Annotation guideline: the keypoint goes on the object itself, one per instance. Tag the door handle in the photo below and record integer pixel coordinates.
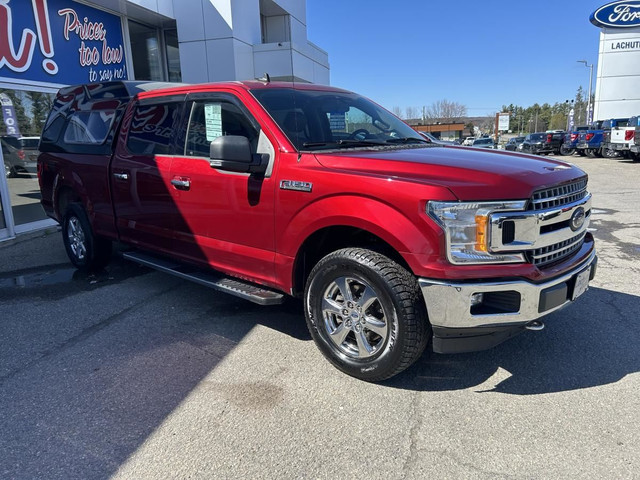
(121, 176)
(181, 183)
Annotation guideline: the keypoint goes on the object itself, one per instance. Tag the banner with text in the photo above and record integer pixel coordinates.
(59, 41)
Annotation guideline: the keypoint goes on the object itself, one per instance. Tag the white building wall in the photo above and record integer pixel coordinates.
(617, 92)
(222, 40)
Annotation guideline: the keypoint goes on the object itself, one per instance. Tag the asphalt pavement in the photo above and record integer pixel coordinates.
(131, 373)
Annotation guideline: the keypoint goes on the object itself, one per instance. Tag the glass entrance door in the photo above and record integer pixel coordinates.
(23, 115)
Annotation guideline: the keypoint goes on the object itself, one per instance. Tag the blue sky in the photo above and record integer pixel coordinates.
(481, 54)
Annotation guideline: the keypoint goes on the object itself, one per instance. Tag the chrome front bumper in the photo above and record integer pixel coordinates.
(449, 304)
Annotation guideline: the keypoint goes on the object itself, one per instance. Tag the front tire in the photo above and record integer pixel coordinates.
(366, 314)
(86, 251)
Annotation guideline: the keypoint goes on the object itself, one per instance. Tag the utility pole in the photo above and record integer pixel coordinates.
(590, 67)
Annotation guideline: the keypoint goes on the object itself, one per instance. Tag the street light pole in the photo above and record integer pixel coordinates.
(589, 119)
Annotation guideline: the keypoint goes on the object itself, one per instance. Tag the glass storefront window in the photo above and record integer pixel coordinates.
(173, 55)
(20, 153)
(145, 52)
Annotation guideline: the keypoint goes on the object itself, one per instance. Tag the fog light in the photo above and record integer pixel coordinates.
(476, 299)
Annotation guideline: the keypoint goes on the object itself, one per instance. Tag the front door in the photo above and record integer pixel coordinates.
(227, 218)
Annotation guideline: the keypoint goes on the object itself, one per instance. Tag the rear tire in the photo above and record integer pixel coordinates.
(566, 150)
(86, 251)
(366, 314)
(591, 153)
(609, 153)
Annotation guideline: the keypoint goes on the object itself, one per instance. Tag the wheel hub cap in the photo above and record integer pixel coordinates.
(354, 317)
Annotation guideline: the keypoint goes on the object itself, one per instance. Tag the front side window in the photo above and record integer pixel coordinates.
(90, 127)
(152, 127)
(317, 120)
(212, 119)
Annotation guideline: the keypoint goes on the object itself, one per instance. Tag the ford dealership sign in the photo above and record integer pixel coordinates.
(621, 14)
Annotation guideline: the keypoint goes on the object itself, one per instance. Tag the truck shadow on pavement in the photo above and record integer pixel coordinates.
(591, 343)
(88, 374)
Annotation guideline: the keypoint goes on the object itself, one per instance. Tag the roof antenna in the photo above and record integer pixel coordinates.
(265, 78)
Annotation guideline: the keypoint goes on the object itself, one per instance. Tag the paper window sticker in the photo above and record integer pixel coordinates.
(213, 120)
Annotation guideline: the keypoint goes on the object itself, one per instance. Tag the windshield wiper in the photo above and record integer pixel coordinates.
(407, 140)
(345, 142)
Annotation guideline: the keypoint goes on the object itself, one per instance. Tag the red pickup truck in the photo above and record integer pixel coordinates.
(266, 189)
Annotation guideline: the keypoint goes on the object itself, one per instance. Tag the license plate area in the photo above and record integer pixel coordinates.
(581, 283)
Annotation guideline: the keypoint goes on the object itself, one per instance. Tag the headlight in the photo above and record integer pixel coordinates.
(466, 227)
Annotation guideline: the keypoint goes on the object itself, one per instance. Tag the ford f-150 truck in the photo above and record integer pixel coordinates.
(590, 140)
(267, 189)
(618, 137)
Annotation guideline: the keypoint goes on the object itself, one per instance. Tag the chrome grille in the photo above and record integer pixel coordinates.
(552, 253)
(560, 195)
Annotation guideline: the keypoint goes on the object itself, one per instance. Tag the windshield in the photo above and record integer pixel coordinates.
(317, 120)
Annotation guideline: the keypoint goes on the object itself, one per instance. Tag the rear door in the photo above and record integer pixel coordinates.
(227, 218)
(140, 174)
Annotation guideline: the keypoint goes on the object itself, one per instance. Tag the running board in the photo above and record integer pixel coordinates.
(210, 279)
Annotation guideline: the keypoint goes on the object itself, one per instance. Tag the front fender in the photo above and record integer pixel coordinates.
(407, 233)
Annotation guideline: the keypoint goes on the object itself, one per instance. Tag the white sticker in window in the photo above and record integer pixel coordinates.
(213, 120)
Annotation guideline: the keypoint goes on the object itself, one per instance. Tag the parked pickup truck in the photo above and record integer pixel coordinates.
(265, 189)
(634, 146)
(622, 136)
(615, 138)
(571, 141)
(613, 134)
(543, 143)
(590, 140)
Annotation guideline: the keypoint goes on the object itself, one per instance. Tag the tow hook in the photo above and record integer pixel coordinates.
(535, 325)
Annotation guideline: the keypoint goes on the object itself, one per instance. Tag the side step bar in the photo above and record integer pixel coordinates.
(210, 279)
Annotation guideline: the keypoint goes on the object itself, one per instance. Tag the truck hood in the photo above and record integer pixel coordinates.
(469, 173)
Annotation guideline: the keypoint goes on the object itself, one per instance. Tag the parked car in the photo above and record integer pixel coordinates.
(513, 143)
(468, 141)
(391, 243)
(14, 157)
(436, 141)
(30, 146)
(483, 143)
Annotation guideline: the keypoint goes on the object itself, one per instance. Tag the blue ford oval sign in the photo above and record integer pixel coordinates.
(620, 14)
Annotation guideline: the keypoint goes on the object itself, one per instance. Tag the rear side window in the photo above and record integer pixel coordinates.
(89, 127)
(152, 128)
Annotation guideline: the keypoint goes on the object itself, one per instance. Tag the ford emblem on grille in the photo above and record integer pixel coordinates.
(577, 219)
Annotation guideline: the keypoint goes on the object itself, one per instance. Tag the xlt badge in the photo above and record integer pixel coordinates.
(296, 185)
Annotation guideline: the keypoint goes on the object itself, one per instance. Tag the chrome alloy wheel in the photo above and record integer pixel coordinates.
(354, 317)
(76, 238)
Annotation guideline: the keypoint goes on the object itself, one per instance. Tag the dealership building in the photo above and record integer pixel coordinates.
(617, 92)
(47, 44)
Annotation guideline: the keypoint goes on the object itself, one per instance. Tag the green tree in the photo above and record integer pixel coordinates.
(41, 104)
